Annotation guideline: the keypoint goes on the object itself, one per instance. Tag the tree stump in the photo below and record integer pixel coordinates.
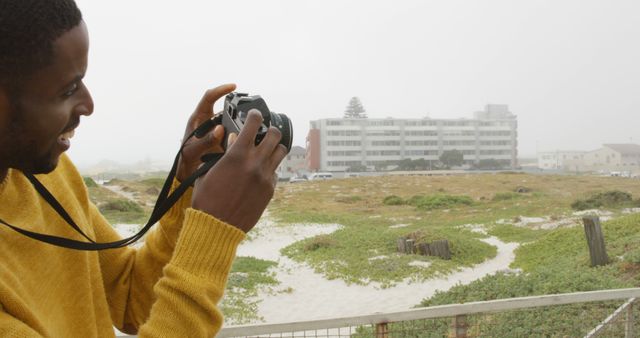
(410, 246)
(401, 245)
(423, 249)
(441, 249)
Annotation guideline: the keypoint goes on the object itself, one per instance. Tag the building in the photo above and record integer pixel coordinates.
(294, 164)
(559, 159)
(339, 144)
(610, 158)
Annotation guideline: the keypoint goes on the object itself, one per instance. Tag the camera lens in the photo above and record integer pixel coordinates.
(282, 122)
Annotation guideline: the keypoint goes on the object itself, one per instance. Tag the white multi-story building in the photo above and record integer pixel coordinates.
(338, 144)
(557, 160)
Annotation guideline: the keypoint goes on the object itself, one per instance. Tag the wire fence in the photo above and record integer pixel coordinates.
(610, 313)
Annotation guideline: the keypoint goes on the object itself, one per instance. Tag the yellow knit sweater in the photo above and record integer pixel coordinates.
(167, 288)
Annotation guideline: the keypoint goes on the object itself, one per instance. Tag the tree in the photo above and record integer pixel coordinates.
(355, 110)
(491, 164)
(452, 158)
(355, 168)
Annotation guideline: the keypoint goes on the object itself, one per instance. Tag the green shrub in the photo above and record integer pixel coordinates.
(632, 256)
(393, 200)
(441, 201)
(608, 199)
(505, 196)
(122, 205)
(413, 200)
(89, 182)
(319, 242)
(153, 182)
(251, 264)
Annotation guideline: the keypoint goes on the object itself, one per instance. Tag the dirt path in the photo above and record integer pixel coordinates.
(314, 297)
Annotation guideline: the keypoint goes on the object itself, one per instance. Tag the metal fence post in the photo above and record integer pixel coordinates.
(382, 330)
(459, 327)
(628, 327)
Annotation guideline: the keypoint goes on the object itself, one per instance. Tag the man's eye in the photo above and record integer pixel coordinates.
(71, 90)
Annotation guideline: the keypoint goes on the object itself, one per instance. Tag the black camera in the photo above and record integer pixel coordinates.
(236, 110)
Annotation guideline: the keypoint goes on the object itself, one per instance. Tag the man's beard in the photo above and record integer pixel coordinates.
(21, 153)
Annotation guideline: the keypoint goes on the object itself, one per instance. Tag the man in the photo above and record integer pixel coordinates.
(167, 288)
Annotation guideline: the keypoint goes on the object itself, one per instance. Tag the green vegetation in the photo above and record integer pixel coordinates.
(89, 182)
(558, 262)
(609, 199)
(347, 253)
(365, 249)
(505, 196)
(451, 158)
(247, 276)
(123, 211)
(393, 200)
(441, 201)
(122, 205)
(512, 233)
(131, 202)
(376, 211)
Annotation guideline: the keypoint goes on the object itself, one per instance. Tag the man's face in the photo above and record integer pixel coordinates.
(36, 126)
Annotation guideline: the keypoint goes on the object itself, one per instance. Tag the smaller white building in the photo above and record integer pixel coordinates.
(556, 160)
(613, 158)
(294, 164)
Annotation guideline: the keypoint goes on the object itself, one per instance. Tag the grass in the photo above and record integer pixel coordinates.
(118, 208)
(511, 233)
(368, 208)
(247, 276)
(557, 262)
(448, 202)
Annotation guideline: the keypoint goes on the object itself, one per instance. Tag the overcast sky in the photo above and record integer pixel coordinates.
(570, 70)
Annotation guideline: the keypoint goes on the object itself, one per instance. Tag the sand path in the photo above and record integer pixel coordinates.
(314, 297)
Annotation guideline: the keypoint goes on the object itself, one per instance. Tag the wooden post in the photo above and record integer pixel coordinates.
(401, 245)
(459, 327)
(382, 330)
(423, 249)
(410, 246)
(628, 325)
(595, 240)
(441, 249)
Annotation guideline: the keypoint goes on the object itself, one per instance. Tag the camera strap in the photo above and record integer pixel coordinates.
(163, 203)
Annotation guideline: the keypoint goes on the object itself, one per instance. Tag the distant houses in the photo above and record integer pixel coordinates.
(614, 159)
(294, 164)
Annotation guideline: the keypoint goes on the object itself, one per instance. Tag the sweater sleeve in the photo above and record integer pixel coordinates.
(194, 280)
(12, 327)
(129, 275)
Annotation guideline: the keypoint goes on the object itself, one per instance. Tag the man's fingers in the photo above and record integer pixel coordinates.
(277, 156)
(204, 110)
(231, 139)
(270, 140)
(252, 124)
(211, 142)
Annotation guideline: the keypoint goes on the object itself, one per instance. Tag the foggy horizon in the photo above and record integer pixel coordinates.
(569, 70)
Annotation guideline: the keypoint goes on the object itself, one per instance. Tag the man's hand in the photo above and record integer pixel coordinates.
(239, 187)
(211, 142)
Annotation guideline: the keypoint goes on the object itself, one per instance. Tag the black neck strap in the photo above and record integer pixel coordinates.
(164, 202)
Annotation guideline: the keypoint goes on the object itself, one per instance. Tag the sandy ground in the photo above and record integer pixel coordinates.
(314, 297)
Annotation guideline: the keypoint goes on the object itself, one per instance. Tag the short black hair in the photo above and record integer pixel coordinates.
(28, 29)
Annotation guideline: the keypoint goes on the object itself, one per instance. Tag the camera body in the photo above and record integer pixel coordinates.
(236, 110)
